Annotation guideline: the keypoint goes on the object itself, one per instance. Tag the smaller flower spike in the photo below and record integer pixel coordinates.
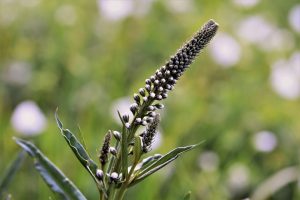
(105, 149)
(148, 135)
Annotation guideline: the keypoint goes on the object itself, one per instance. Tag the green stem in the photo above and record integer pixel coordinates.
(124, 152)
(121, 192)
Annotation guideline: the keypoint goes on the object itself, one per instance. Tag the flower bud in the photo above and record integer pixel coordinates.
(133, 108)
(152, 95)
(113, 151)
(159, 106)
(114, 176)
(149, 120)
(127, 125)
(125, 118)
(151, 108)
(137, 98)
(151, 114)
(148, 81)
(99, 174)
(117, 135)
(152, 78)
(145, 99)
(142, 92)
(158, 97)
(144, 123)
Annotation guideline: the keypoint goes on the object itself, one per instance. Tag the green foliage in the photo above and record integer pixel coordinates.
(55, 179)
(144, 172)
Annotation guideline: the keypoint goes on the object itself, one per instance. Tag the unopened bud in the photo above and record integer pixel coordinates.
(127, 125)
(99, 174)
(137, 98)
(152, 95)
(113, 151)
(147, 87)
(142, 92)
(114, 176)
(133, 108)
(138, 120)
(125, 118)
(117, 135)
(159, 106)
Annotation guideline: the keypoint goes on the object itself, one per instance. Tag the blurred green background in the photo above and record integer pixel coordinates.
(87, 57)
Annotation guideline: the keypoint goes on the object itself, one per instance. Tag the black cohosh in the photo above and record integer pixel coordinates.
(165, 78)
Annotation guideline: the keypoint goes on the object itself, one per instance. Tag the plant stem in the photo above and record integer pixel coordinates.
(121, 192)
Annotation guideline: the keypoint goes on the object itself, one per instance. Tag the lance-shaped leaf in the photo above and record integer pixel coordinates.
(78, 150)
(161, 162)
(62, 187)
(137, 149)
(146, 162)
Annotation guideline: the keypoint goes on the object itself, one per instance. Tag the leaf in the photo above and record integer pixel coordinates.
(187, 196)
(124, 149)
(11, 171)
(161, 162)
(137, 149)
(55, 179)
(147, 161)
(81, 138)
(78, 150)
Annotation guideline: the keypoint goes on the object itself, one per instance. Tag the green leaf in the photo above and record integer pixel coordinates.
(79, 150)
(11, 171)
(124, 149)
(161, 162)
(137, 149)
(147, 162)
(55, 179)
(187, 196)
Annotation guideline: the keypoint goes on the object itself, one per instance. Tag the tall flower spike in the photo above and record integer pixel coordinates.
(165, 78)
(148, 135)
(103, 157)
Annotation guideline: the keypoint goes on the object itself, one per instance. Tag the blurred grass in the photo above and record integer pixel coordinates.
(82, 68)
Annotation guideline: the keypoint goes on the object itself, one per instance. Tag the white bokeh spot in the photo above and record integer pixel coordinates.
(115, 10)
(264, 141)
(246, 3)
(238, 177)
(208, 161)
(28, 119)
(294, 18)
(122, 105)
(225, 50)
(285, 77)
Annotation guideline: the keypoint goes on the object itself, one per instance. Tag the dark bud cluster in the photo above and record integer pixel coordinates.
(148, 135)
(165, 78)
(105, 149)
